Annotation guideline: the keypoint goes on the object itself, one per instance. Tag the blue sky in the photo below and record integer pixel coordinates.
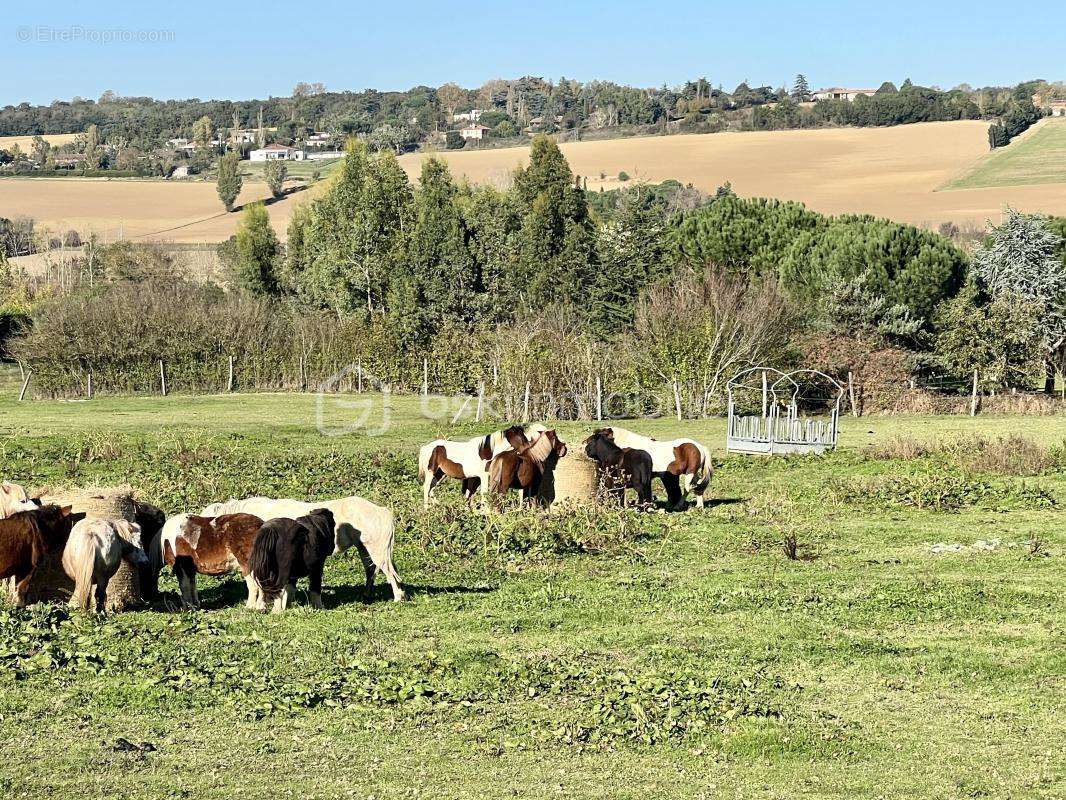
(57, 50)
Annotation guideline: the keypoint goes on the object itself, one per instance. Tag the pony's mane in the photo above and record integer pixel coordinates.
(540, 448)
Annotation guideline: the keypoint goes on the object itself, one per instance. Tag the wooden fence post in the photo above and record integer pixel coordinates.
(765, 394)
(425, 377)
(525, 405)
(480, 401)
(973, 397)
(359, 374)
(599, 399)
(851, 396)
(162, 378)
(89, 385)
(229, 380)
(677, 400)
(25, 383)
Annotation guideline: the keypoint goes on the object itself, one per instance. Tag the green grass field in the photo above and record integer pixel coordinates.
(1038, 157)
(296, 169)
(599, 655)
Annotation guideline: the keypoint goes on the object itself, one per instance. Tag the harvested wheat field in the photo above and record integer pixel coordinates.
(142, 210)
(889, 172)
(26, 142)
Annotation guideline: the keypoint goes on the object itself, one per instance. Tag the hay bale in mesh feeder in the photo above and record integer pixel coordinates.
(574, 481)
(116, 502)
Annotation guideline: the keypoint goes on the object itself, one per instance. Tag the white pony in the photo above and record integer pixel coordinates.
(13, 499)
(669, 458)
(367, 526)
(469, 460)
(93, 553)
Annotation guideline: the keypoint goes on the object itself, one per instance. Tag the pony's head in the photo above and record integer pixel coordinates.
(55, 523)
(546, 444)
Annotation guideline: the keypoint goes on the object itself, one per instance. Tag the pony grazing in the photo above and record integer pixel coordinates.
(288, 549)
(13, 499)
(368, 527)
(523, 468)
(681, 464)
(92, 556)
(468, 461)
(151, 519)
(201, 545)
(28, 538)
(621, 468)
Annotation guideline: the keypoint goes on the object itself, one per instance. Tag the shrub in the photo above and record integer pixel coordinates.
(623, 176)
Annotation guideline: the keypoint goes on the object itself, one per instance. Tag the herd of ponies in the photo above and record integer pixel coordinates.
(275, 542)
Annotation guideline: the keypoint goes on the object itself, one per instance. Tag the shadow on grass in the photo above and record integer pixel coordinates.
(234, 593)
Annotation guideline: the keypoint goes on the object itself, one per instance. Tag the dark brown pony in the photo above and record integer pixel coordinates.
(195, 545)
(523, 468)
(28, 538)
(620, 468)
(288, 549)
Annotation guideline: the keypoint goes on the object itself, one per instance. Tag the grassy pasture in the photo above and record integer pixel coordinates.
(1035, 158)
(603, 655)
(296, 169)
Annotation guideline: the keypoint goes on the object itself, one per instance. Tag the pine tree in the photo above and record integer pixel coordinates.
(229, 180)
(557, 247)
(256, 253)
(801, 90)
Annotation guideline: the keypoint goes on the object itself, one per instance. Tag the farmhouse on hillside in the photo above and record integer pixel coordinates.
(277, 152)
(475, 132)
(468, 116)
(840, 93)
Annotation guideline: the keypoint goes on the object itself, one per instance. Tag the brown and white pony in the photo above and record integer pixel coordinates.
(682, 465)
(523, 468)
(194, 545)
(368, 527)
(27, 538)
(467, 461)
(92, 556)
(13, 499)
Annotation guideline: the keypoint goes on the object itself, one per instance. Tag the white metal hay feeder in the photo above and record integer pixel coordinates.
(766, 412)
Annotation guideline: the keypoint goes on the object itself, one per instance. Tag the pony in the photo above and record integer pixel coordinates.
(368, 527)
(682, 465)
(27, 538)
(523, 468)
(288, 549)
(467, 461)
(92, 556)
(620, 468)
(193, 544)
(13, 499)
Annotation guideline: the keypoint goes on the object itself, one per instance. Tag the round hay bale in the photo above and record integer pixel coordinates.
(574, 481)
(114, 502)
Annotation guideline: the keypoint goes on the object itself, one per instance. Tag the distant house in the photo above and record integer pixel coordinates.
(468, 116)
(244, 135)
(277, 152)
(475, 132)
(318, 140)
(69, 160)
(840, 93)
(178, 143)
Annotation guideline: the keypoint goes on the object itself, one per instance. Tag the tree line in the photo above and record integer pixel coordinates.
(656, 292)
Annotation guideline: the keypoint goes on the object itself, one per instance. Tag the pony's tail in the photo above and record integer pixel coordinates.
(84, 567)
(495, 475)
(263, 561)
(704, 473)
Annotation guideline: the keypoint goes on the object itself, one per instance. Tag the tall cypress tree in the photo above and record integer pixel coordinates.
(557, 234)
